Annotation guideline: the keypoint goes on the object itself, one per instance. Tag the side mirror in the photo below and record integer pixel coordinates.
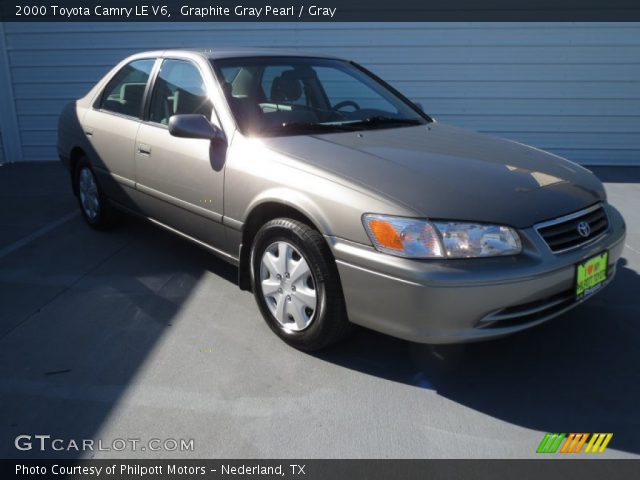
(419, 105)
(194, 126)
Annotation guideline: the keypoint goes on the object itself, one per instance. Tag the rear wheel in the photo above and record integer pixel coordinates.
(296, 285)
(93, 204)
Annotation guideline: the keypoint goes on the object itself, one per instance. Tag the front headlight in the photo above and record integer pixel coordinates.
(415, 238)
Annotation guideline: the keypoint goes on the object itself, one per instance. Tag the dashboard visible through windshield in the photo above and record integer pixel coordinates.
(279, 96)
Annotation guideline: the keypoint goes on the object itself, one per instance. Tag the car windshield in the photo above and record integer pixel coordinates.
(280, 96)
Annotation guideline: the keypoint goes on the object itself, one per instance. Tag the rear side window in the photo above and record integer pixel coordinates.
(179, 89)
(124, 93)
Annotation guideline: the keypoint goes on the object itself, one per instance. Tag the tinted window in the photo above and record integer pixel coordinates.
(179, 89)
(340, 86)
(279, 88)
(124, 93)
(296, 96)
(230, 74)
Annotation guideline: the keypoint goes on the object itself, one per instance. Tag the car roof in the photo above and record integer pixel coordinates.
(235, 52)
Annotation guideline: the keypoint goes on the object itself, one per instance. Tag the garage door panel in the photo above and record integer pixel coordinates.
(517, 90)
(534, 106)
(497, 124)
(596, 141)
(502, 72)
(570, 87)
(30, 75)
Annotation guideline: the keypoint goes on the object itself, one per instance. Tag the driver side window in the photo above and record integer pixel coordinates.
(179, 89)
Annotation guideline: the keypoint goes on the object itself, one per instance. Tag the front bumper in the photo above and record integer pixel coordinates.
(463, 300)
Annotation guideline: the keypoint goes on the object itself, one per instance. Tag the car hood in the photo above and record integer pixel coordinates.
(444, 172)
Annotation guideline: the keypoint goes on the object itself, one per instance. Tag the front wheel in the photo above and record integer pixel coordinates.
(296, 285)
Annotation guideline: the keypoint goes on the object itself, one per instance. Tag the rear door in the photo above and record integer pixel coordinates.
(180, 181)
(111, 127)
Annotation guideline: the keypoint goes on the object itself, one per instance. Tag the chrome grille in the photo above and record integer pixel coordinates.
(567, 232)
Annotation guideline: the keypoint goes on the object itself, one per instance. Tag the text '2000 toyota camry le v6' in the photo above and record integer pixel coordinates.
(340, 201)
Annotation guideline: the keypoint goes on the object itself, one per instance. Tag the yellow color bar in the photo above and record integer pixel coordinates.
(598, 441)
(607, 439)
(590, 444)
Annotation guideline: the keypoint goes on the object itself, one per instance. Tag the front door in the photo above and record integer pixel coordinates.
(180, 181)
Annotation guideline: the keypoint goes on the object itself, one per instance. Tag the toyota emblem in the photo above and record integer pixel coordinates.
(583, 229)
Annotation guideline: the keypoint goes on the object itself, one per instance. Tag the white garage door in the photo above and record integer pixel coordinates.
(573, 89)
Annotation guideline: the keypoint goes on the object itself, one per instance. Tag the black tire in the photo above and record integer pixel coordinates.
(329, 323)
(105, 215)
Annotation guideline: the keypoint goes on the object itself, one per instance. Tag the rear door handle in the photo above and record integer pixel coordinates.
(88, 131)
(144, 149)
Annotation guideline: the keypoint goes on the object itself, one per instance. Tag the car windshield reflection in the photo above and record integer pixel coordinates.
(274, 96)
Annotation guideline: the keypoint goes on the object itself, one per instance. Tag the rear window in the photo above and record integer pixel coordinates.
(124, 93)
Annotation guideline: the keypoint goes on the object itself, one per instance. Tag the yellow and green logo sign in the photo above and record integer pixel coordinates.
(591, 275)
(574, 443)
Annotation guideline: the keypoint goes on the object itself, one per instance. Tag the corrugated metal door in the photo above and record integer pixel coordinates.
(573, 89)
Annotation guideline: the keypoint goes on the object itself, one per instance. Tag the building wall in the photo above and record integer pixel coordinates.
(570, 88)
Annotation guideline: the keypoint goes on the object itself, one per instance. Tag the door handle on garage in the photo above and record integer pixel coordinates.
(144, 149)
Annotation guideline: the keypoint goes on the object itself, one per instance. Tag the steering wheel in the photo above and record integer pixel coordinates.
(346, 103)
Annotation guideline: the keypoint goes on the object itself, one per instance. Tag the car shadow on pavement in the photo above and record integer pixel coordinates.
(71, 362)
(579, 372)
(93, 310)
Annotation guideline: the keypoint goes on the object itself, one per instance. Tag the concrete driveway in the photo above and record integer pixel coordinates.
(137, 334)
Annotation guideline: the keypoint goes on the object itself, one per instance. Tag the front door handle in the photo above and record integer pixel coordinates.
(144, 149)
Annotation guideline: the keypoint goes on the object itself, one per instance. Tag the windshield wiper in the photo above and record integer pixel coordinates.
(382, 120)
(295, 127)
(307, 127)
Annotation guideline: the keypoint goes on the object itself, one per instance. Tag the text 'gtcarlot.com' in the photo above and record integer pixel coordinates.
(46, 443)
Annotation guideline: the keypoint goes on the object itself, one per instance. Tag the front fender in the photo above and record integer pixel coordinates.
(256, 175)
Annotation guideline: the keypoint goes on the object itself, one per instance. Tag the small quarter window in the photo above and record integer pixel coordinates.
(124, 93)
(179, 89)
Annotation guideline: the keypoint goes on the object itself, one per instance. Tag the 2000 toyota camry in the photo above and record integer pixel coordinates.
(338, 198)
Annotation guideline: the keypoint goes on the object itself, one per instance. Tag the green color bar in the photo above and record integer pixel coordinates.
(551, 442)
(541, 447)
(557, 443)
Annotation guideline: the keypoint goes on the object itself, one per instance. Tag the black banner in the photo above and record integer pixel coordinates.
(318, 10)
(323, 469)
